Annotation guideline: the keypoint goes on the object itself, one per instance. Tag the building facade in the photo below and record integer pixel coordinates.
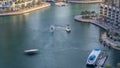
(15, 5)
(111, 13)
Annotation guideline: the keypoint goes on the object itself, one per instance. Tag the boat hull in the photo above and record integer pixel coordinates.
(31, 52)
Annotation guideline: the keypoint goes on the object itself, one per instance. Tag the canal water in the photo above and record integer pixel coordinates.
(57, 50)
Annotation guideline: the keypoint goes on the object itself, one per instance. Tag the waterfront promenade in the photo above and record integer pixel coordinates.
(103, 37)
(97, 1)
(36, 7)
(95, 22)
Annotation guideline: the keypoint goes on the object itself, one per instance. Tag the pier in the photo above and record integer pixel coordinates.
(101, 60)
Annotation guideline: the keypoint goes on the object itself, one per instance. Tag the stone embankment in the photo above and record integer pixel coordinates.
(105, 41)
(90, 1)
(26, 10)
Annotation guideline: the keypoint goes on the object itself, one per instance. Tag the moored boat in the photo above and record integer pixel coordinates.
(93, 56)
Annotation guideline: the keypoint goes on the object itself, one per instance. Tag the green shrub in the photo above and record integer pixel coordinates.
(118, 65)
(108, 66)
(118, 46)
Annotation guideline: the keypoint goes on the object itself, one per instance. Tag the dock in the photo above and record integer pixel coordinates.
(101, 60)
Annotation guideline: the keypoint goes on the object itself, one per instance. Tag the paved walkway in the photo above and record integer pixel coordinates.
(95, 22)
(107, 41)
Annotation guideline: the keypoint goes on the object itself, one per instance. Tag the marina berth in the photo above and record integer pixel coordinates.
(101, 60)
(93, 57)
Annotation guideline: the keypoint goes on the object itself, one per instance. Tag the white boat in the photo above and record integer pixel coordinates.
(93, 57)
(31, 51)
(52, 28)
(68, 29)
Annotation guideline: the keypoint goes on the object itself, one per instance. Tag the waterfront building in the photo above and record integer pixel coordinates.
(111, 13)
(15, 5)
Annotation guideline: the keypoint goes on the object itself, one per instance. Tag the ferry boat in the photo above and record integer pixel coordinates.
(93, 56)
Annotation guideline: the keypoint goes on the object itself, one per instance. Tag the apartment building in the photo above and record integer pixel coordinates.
(111, 13)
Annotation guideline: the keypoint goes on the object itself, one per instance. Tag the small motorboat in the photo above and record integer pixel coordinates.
(52, 28)
(31, 51)
(68, 29)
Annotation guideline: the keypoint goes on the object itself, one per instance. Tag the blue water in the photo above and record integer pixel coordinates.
(57, 50)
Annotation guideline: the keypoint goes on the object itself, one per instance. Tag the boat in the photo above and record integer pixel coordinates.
(68, 29)
(52, 28)
(93, 57)
(31, 51)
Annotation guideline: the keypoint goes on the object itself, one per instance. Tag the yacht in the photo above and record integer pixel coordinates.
(31, 51)
(93, 56)
(68, 29)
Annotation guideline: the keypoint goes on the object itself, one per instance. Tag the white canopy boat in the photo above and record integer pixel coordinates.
(68, 29)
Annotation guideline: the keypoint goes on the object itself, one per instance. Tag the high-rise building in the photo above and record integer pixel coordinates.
(111, 13)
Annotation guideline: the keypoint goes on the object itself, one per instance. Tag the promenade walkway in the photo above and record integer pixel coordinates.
(26, 10)
(105, 26)
(107, 41)
(77, 1)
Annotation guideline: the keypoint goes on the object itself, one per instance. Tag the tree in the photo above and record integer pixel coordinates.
(108, 66)
(93, 12)
(118, 65)
(82, 13)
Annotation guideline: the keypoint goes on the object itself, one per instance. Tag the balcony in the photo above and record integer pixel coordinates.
(109, 9)
(109, 15)
(105, 8)
(118, 12)
(113, 10)
(105, 13)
